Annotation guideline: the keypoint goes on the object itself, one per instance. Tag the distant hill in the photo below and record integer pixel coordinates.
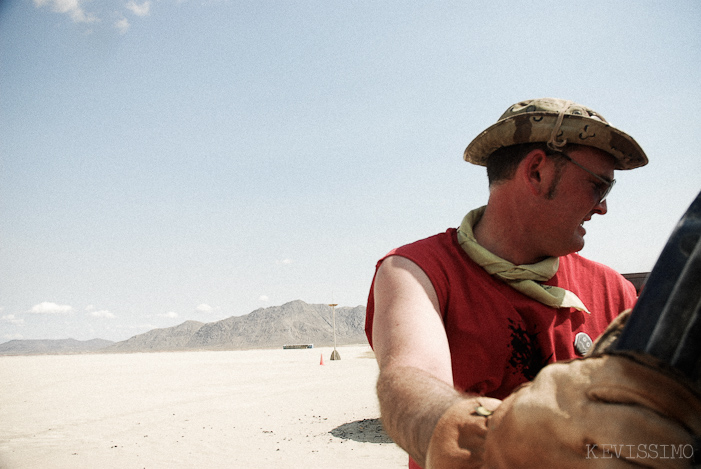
(62, 346)
(295, 322)
(158, 340)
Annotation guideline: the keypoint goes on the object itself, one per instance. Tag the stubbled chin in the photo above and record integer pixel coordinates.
(580, 238)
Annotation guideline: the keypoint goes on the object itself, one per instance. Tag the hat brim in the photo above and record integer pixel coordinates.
(576, 130)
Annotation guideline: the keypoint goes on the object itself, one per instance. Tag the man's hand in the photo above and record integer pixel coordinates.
(458, 439)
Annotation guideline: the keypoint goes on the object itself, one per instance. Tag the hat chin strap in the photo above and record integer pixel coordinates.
(553, 144)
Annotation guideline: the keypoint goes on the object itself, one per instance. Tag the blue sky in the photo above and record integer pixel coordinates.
(166, 160)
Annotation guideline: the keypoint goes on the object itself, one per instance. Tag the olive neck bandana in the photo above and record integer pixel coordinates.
(524, 278)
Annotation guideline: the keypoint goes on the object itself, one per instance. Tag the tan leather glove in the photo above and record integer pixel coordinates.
(601, 411)
(605, 411)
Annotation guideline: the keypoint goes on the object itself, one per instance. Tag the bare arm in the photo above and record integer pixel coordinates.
(411, 403)
(415, 386)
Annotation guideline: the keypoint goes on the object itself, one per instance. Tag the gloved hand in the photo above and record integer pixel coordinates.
(605, 411)
(600, 411)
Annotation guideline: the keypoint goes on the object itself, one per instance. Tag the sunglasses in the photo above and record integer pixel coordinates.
(607, 184)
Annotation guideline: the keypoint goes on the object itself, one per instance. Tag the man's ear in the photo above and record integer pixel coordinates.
(533, 171)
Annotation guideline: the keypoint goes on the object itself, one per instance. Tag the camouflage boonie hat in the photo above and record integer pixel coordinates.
(556, 122)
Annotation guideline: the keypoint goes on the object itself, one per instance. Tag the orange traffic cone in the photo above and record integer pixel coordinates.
(322, 359)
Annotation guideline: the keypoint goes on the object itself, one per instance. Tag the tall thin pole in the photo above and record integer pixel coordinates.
(334, 355)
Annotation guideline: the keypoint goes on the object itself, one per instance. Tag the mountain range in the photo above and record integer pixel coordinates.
(45, 346)
(292, 323)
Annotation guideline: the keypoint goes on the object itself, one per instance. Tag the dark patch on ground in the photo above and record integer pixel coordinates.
(364, 431)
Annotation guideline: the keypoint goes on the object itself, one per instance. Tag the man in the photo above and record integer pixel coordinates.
(460, 320)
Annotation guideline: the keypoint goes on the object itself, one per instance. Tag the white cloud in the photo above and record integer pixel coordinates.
(139, 10)
(263, 298)
(169, 314)
(89, 308)
(76, 11)
(103, 313)
(50, 308)
(11, 319)
(71, 7)
(285, 261)
(122, 25)
(204, 308)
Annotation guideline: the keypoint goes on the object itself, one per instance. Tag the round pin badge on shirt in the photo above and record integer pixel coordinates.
(582, 343)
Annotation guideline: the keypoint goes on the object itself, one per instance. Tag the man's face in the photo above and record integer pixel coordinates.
(576, 198)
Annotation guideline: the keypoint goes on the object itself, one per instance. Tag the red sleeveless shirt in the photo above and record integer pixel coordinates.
(499, 337)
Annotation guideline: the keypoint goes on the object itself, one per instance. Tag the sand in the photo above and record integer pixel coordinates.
(236, 409)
